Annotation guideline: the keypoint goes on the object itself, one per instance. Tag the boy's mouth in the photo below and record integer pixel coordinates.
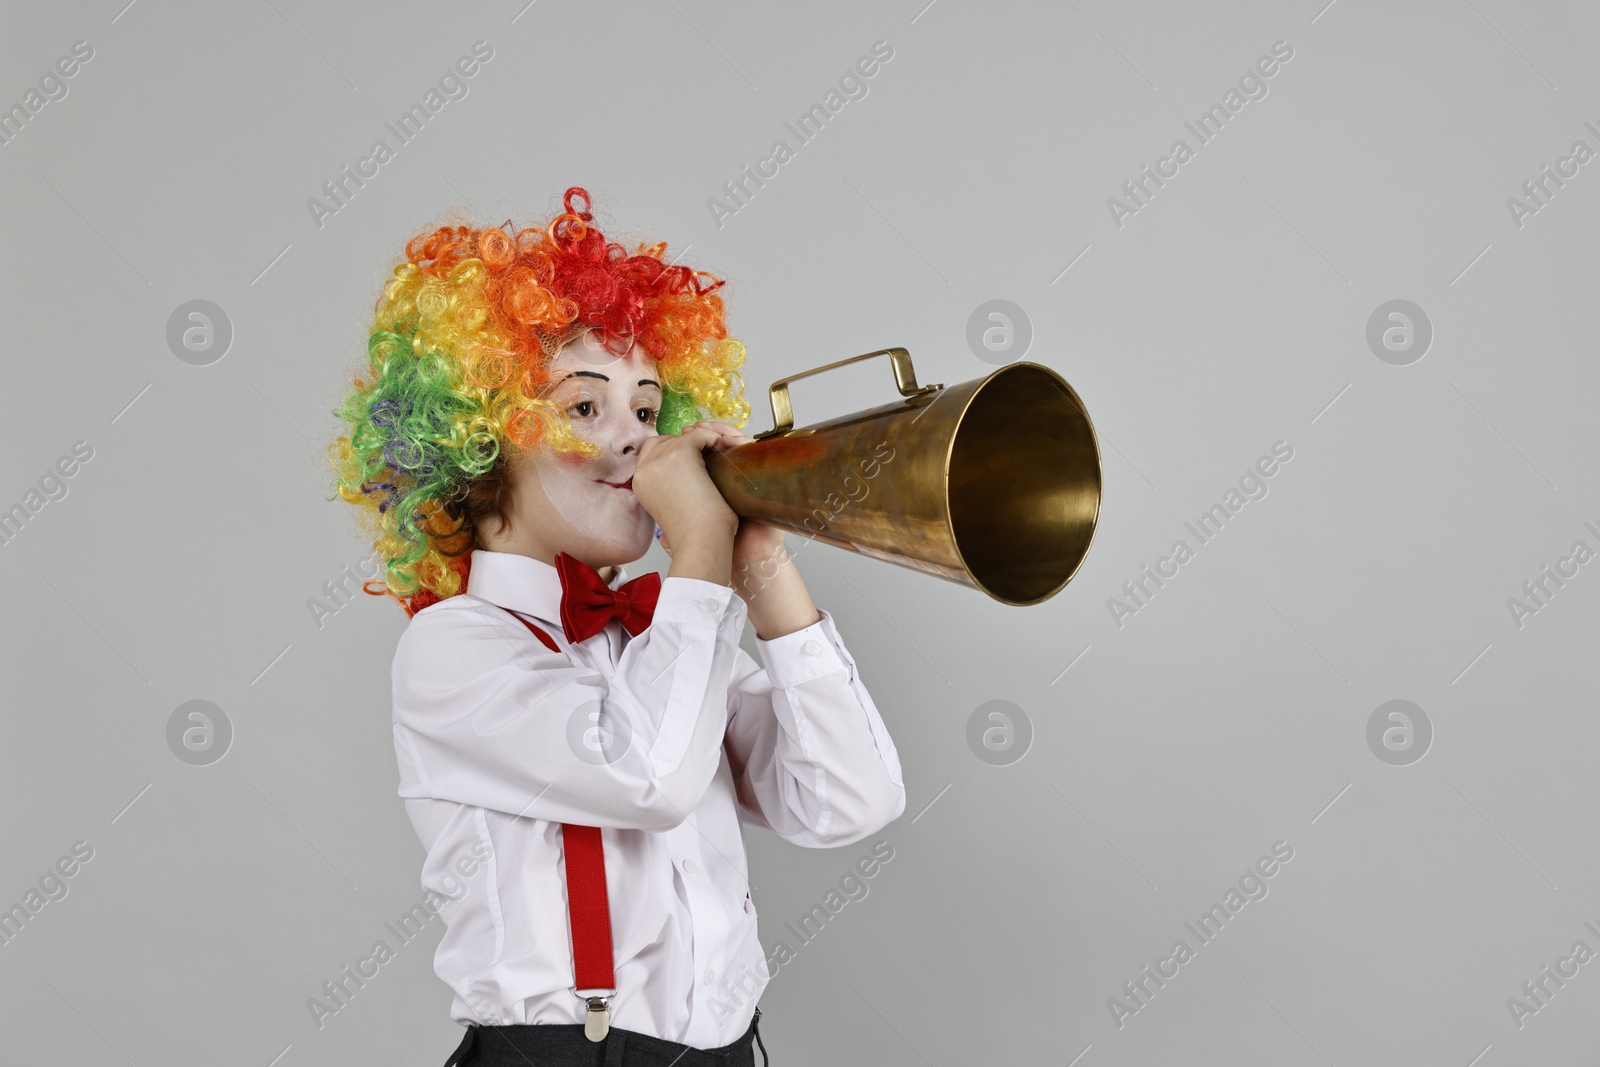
(628, 485)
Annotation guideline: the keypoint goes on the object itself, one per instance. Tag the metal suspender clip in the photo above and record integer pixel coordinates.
(597, 1020)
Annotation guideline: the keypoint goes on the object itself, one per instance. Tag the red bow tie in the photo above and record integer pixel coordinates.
(587, 603)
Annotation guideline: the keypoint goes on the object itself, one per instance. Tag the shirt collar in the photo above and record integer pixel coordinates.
(522, 583)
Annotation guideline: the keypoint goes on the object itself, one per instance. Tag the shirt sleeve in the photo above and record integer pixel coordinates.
(811, 757)
(486, 715)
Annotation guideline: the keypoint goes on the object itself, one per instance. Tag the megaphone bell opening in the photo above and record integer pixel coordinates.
(1024, 484)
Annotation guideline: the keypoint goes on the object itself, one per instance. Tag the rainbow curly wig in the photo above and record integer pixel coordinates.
(458, 360)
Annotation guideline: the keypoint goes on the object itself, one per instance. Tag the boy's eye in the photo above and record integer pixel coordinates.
(649, 415)
(582, 404)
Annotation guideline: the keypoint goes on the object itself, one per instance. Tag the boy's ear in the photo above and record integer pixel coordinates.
(677, 411)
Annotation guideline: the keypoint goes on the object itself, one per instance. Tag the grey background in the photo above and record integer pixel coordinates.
(1228, 314)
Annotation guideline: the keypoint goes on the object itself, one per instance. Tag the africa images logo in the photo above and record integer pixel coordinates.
(453, 84)
(1252, 85)
(1251, 886)
(852, 85)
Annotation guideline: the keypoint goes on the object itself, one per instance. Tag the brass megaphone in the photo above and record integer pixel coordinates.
(993, 483)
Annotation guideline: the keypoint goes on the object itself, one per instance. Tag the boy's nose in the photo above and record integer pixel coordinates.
(631, 437)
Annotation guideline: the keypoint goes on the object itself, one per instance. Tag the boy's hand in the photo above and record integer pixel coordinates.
(671, 483)
(764, 575)
(756, 541)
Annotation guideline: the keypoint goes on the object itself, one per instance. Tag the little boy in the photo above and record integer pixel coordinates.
(586, 743)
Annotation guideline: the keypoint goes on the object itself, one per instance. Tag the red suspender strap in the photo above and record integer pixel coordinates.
(588, 909)
(549, 642)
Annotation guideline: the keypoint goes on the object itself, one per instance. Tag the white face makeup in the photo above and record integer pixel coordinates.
(567, 502)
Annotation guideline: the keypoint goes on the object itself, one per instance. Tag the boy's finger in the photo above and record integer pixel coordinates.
(727, 434)
(701, 433)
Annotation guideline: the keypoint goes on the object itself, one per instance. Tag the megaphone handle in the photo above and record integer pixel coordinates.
(905, 379)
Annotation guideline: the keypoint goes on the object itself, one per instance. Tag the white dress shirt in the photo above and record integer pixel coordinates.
(497, 746)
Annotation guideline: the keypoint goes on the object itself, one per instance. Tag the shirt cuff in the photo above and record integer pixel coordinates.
(804, 655)
(694, 601)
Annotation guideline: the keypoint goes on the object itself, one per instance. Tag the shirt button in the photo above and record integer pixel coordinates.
(811, 648)
(708, 605)
(710, 976)
(690, 866)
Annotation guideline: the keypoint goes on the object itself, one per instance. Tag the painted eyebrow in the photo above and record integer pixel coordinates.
(603, 378)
